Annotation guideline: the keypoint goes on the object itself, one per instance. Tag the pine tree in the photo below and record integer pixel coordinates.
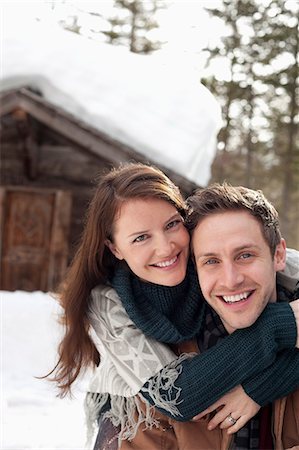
(131, 24)
(260, 102)
(237, 94)
(279, 28)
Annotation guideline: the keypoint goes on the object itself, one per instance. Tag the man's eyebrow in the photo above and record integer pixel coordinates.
(236, 250)
(246, 247)
(204, 255)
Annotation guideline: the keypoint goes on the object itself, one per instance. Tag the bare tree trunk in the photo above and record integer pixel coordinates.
(288, 167)
(133, 31)
(221, 172)
(249, 158)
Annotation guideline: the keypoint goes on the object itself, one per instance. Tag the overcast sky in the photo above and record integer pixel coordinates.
(184, 26)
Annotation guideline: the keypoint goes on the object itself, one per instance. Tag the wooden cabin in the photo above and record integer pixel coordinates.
(49, 163)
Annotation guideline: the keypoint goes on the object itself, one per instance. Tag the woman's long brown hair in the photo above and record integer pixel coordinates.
(93, 263)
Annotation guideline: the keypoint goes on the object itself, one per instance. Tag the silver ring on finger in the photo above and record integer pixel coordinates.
(231, 419)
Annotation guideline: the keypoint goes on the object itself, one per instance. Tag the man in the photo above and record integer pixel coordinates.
(238, 249)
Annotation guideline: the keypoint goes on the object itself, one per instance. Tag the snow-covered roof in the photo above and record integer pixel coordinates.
(158, 108)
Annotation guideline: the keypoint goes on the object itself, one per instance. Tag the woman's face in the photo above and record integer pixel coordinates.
(150, 236)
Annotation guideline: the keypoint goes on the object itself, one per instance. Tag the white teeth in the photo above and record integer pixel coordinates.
(235, 298)
(167, 263)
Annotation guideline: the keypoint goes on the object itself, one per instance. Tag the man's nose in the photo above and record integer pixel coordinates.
(231, 276)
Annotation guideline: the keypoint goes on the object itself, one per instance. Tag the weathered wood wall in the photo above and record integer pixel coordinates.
(55, 164)
(44, 148)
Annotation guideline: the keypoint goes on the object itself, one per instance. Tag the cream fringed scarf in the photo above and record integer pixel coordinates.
(166, 314)
(129, 360)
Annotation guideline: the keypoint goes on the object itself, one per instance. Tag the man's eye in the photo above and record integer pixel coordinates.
(211, 261)
(140, 238)
(245, 255)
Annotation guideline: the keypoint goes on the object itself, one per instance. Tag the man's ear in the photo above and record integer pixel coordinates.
(280, 256)
(113, 249)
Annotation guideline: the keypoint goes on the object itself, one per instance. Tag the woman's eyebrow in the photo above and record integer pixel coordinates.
(174, 216)
(138, 232)
(177, 214)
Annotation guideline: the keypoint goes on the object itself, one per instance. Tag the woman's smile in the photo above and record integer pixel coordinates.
(168, 263)
(155, 246)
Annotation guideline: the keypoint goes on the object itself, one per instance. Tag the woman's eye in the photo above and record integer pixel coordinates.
(140, 238)
(173, 224)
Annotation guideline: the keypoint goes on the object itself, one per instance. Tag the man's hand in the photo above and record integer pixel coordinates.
(236, 406)
(295, 307)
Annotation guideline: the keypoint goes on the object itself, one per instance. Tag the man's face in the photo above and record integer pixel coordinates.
(236, 271)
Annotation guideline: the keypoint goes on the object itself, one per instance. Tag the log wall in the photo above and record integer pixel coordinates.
(41, 158)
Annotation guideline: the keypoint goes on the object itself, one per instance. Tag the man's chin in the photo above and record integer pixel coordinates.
(232, 325)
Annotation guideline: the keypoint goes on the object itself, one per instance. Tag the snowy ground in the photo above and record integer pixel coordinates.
(32, 417)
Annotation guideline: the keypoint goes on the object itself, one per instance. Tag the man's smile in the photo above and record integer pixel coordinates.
(236, 298)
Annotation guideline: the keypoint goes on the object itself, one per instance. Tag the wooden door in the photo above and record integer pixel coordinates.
(35, 225)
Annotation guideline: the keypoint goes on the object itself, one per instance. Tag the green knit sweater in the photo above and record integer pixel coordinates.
(243, 355)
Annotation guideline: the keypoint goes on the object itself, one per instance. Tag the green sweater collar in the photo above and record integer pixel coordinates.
(168, 314)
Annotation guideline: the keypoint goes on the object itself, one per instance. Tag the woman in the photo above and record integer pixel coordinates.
(135, 241)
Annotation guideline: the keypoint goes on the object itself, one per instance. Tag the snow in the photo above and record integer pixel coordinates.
(155, 105)
(32, 416)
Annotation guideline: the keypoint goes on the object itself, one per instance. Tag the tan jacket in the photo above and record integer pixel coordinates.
(174, 435)
(285, 429)
(286, 422)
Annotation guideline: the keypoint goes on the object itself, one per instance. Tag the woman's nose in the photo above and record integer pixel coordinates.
(163, 246)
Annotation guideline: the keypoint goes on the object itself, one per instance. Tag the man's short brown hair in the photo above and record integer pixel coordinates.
(219, 198)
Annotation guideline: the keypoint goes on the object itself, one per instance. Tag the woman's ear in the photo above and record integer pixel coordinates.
(280, 256)
(113, 249)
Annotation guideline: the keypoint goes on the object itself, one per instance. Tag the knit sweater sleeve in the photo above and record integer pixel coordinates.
(206, 377)
(278, 380)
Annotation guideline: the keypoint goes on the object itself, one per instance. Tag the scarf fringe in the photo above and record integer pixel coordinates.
(129, 413)
(165, 379)
(93, 404)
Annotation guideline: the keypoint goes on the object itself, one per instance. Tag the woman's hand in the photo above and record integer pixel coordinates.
(235, 405)
(295, 307)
